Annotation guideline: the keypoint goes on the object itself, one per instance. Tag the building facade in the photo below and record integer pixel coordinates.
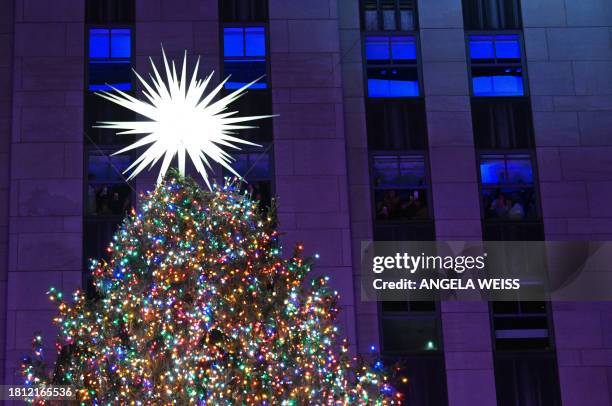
(397, 120)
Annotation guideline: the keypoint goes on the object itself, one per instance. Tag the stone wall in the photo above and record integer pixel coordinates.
(569, 53)
(6, 107)
(46, 186)
(309, 140)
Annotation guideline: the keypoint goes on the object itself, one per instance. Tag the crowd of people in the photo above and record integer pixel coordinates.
(401, 204)
(510, 204)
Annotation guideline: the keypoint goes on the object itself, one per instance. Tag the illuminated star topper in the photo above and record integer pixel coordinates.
(182, 121)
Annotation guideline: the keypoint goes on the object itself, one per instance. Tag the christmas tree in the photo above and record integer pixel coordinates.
(196, 306)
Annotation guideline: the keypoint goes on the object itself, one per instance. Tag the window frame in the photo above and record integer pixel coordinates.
(435, 315)
(428, 189)
(266, 27)
(417, 63)
(88, 28)
(397, 15)
(535, 186)
(522, 64)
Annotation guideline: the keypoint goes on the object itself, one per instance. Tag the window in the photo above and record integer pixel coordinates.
(107, 192)
(502, 123)
(396, 124)
(521, 325)
(391, 66)
(110, 52)
(409, 327)
(256, 104)
(491, 14)
(527, 379)
(256, 168)
(98, 109)
(496, 65)
(508, 191)
(244, 50)
(400, 187)
(109, 11)
(388, 15)
(243, 10)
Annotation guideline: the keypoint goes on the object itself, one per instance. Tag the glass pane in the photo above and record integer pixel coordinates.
(389, 19)
(106, 168)
(481, 47)
(233, 42)
(403, 49)
(408, 335)
(497, 81)
(507, 47)
(520, 171)
(108, 199)
(401, 204)
(386, 171)
(371, 20)
(245, 71)
(121, 44)
(105, 73)
(99, 43)
(255, 41)
(259, 167)
(377, 49)
(509, 203)
(407, 20)
(492, 170)
(393, 82)
(412, 171)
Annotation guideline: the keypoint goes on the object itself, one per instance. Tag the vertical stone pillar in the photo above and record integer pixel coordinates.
(465, 326)
(309, 139)
(569, 63)
(46, 174)
(6, 109)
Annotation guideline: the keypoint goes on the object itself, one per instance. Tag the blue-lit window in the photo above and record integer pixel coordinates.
(508, 191)
(391, 66)
(244, 51)
(110, 58)
(256, 168)
(400, 187)
(496, 65)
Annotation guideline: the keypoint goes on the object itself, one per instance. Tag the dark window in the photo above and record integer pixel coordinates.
(110, 58)
(409, 327)
(422, 379)
(98, 109)
(244, 51)
(256, 168)
(400, 187)
(527, 380)
(243, 10)
(255, 104)
(502, 123)
(109, 11)
(496, 65)
(388, 15)
(508, 191)
(396, 124)
(491, 14)
(107, 192)
(391, 66)
(521, 325)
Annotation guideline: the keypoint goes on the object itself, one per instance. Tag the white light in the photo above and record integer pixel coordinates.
(183, 121)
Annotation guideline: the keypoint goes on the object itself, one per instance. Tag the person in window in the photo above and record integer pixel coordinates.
(499, 206)
(389, 208)
(516, 211)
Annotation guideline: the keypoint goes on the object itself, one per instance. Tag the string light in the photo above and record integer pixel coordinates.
(197, 306)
